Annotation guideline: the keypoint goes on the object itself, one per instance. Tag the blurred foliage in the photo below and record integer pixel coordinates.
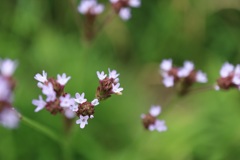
(43, 35)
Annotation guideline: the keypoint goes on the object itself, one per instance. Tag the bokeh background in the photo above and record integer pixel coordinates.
(45, 35)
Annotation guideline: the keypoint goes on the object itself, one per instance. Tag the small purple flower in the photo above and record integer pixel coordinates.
(95, 102)
(7, 67)
(39, 103)
(116, 89)
(49, 92)
(41, 78)
(63, 79)
(101, 76)
(66, 101)
(82, 121)
(80, 98)
(90, 7)
(150, 121)
(9, 118)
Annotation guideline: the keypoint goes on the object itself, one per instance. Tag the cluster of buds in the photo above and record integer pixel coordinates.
(8, 115)
(58, 101)
(151, 122)
(186, 75)
(229, 77)
(122, 7)
(108, 84)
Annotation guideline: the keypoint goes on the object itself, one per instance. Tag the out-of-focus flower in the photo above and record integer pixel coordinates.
(229, 77)
(9, 117)
(90, 7)
(122, 7)
(186, 75)
(150, 121)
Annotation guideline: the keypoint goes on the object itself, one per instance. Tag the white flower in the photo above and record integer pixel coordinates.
(216, 87)
(9, 118)
(236, 77)
(91, 116)
(113, 74)
(166, 65)
(160, 126)
(82, 121)
(186, 69)
(226, 69)
(201, 77)
(125, 13)
(5, 91)
(168, 81)
(101, 76)
(90, 6)
(49, 92)
(116, 89)
(134, 3)
(63, 79)
(66, 101)
(237, 70)
(74, 107)
(95, 102)
(7, 67)
(80, 98)
(114, 1)
(69, 113)
(41, 78)
(39, 103)
(155, 111)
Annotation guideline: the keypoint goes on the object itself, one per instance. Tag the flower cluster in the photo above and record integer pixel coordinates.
(108, 84)
(122, 7)
(8, 115)
(58, 101)
(150, 121)
(229, 77)
(187, 75)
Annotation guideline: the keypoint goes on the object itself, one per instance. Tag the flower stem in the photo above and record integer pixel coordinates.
(39, 127)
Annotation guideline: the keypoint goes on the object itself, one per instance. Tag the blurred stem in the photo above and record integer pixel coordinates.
(109, 17)
(73, 5)
(200, 89)
(39, 127)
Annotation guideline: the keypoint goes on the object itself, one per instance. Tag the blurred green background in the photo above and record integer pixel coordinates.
(44, 35)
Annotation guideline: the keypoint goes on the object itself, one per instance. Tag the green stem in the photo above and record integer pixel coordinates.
(46, 131)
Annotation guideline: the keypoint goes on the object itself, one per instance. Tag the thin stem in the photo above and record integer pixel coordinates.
(200, 89)
(43, 129)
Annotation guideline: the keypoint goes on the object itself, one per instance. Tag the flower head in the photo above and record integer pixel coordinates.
(186, 75)
(150, 121)
(7, 67)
